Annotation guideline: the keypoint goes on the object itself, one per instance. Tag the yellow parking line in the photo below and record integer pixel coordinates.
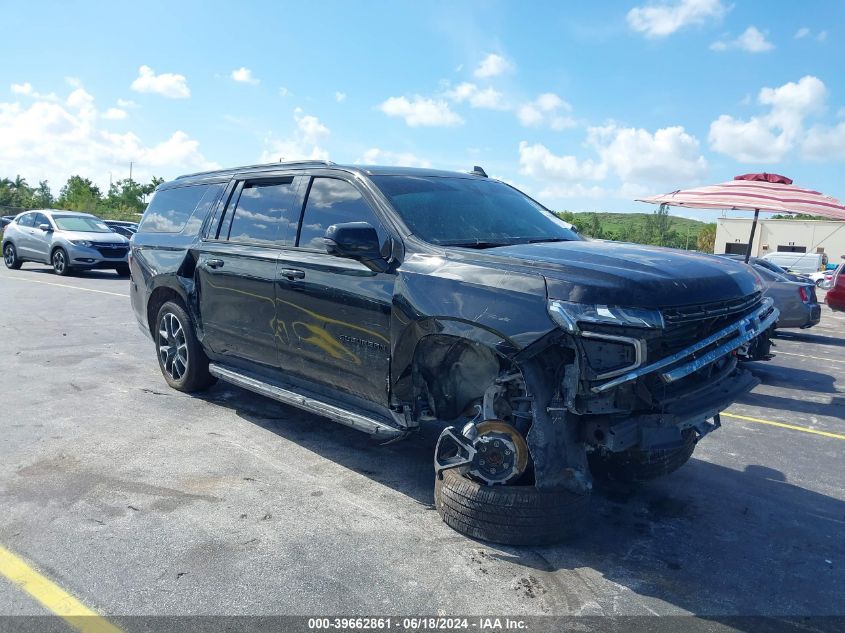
(51, 596)
(48, 283)
(793, 427)
(827, 360)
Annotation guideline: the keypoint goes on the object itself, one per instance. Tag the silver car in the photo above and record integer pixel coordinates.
(797, 302)
(67, 240)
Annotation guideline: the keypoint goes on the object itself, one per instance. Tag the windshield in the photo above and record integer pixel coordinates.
(80, 223)
(470, 212)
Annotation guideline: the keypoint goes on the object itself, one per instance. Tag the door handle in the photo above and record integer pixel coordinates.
(293, 273)
(214, 263)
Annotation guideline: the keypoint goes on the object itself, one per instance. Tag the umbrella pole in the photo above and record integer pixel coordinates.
(751, 237)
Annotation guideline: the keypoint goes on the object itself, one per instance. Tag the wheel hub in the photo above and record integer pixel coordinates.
(501, 453)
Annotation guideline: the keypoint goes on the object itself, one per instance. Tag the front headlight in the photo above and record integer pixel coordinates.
(83, 243)
(568, 314)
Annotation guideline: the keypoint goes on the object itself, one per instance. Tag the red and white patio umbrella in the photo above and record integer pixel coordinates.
(755, 192)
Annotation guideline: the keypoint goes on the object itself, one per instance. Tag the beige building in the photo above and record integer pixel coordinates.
(777, 236)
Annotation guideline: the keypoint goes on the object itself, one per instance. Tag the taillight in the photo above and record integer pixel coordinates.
(805, 296)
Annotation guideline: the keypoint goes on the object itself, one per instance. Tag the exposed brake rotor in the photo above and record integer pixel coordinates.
(501, 453)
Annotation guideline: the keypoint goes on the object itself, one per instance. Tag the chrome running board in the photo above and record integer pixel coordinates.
(357, 421)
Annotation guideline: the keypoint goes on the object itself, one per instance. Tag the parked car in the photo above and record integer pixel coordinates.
(769, 265)
(67, 240)
(835, 297)
(126, 229)
(802, 263)
(797, 302)
(5, 220)
(385, 298)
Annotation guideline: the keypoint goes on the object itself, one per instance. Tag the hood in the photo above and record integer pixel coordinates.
(100, 238)
(632, 275)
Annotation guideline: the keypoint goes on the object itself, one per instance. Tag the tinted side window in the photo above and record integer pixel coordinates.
(332, 201)
(40, 219)
(266, 212)
(27, 220)
(195, 223)
(169, 210)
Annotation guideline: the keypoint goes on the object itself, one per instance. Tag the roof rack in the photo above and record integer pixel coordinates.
(283, 163)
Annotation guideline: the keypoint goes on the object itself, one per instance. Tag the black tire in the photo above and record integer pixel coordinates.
(122, 270)
(511, 515)
(10, 256)
(61, 262)
(186, 371)
(638, 465)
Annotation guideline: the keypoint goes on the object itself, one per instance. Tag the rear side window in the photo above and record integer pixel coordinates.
(333, 201)
(169, 210)
(266, 212)
(27, 219)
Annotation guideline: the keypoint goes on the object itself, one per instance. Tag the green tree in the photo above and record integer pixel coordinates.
(706, 241)
(79, 194)
(42, 197)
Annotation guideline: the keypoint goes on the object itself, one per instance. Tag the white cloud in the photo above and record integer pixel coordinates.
(487, 98)
(547, 109)
(340, 97)
(114, 114)
(304, 144)
(824, 143)
(22, 89)
(822, 36)
(660, 20)
(539, 162)
(801, 33)
(376, 156)
(669, 155)
(283, 92)
(492, 66)
(166, 84)
(421, 111)
(560, 191)
(54, 139)
(126, 103)
(751, 41)
(770, 137)
(243, 75)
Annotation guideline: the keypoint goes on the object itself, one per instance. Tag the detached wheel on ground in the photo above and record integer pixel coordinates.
(61, 263)
(10, 257)
(123, 270)
(511, 515)
(638, 465)
(180, 356)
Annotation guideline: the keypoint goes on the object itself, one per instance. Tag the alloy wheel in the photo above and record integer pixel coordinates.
(9, 255)
(172, 346)
(59, 262)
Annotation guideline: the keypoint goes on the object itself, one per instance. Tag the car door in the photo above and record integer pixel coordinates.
(24, 243)
(236, 270)
(334, 312)
(41, 240)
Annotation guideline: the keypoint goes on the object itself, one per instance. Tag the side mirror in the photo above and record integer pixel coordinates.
(45, 227)
(355, 240)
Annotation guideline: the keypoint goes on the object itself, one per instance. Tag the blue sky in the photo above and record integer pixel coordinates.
(583, 105)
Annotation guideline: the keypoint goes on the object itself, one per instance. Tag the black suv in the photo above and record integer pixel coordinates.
(385, 297)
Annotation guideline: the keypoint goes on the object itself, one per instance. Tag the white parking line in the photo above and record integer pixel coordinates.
(48, 283)
(827, 360)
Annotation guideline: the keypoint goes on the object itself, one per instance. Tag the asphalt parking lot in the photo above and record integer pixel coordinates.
(136, 499)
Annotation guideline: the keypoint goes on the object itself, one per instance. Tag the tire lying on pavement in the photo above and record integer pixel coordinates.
(638, 465)
(511, 515)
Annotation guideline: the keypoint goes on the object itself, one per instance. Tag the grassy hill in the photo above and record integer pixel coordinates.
(656, 228)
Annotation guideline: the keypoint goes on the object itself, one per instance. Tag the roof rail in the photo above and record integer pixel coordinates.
(283, 163)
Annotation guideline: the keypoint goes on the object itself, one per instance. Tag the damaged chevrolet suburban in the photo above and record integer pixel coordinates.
(386, 298)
